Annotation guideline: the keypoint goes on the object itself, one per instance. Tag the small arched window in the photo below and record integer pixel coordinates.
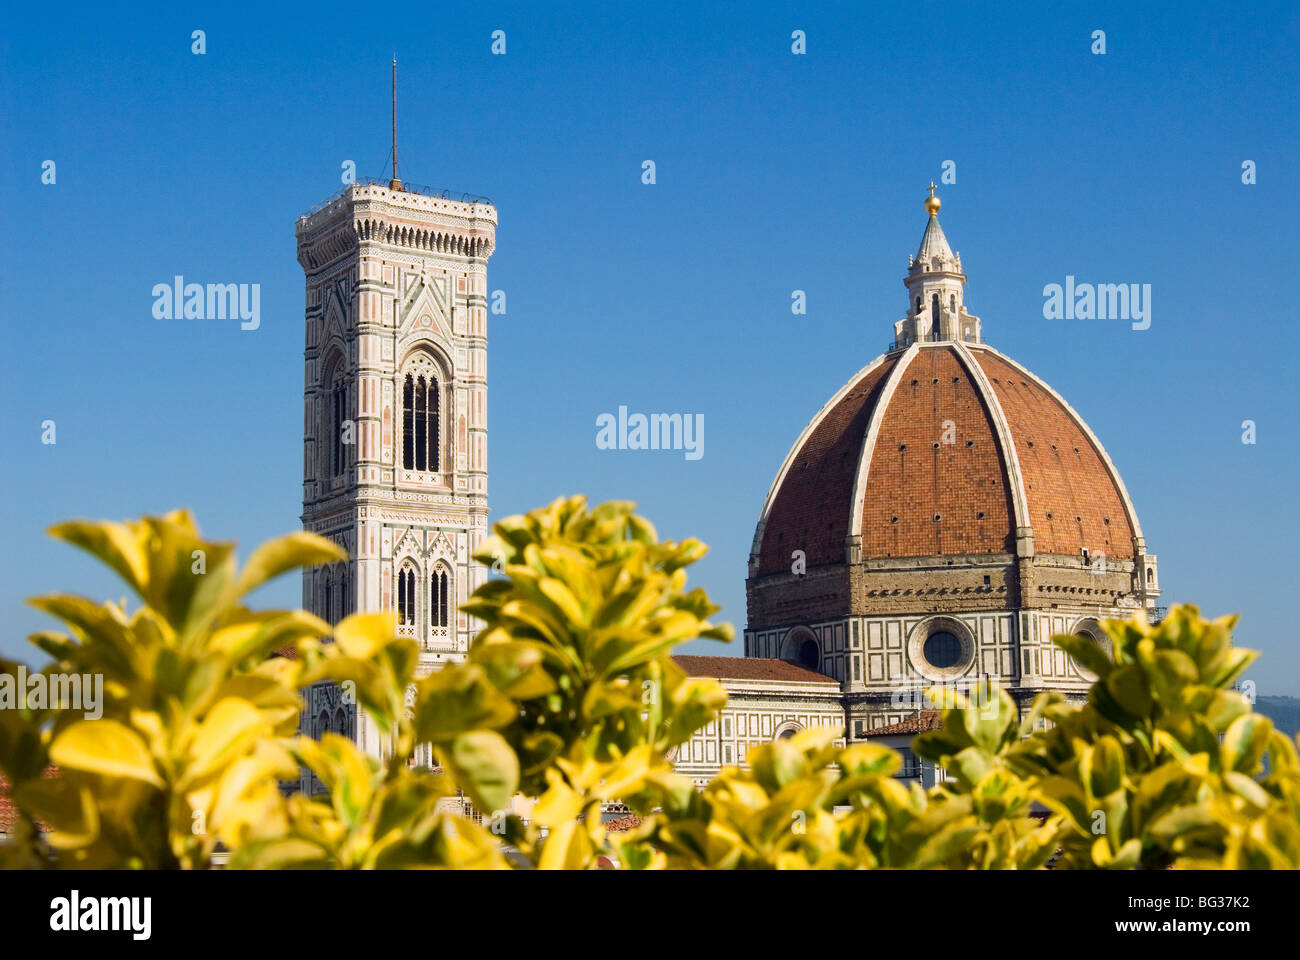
(421, 409)
(327, 601)
(439, 588)
(406, 596)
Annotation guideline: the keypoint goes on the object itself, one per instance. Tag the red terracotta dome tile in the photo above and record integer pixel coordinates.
(812, 506)
(1073, 498)
(939, 481)
(936, 456)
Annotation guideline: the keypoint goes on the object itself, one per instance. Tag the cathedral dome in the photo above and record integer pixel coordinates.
(944, 448)
(941, 449)
(939, 521)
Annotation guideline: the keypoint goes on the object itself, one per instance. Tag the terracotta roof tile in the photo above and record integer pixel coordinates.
(917, 723)
(8, 813)
(750, 668)
(623, 824)
(1068, 486)
(811, 510)
(937, 455)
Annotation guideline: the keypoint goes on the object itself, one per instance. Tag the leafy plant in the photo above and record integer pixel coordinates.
(569, 696)
(807, 803)
(1164, 764)
(190, 743)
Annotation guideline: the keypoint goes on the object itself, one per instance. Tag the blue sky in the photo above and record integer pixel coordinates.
(775, 172)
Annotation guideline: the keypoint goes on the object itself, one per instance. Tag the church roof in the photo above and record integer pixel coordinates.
(8, 812)
(749, 668)
(622, 824)
(917, 723)
(943, 449)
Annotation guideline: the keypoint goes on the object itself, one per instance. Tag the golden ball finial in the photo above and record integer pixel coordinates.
(932, 202)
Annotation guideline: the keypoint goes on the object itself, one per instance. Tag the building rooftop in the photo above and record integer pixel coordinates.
(8, 812)
(750, 668)
(947, 449)
(917, 723)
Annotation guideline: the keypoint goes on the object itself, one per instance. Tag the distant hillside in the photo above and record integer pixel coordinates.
(1283, 711)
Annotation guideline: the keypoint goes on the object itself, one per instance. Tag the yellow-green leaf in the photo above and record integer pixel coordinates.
(105, 747)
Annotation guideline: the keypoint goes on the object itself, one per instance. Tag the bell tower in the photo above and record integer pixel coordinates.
(395, 416)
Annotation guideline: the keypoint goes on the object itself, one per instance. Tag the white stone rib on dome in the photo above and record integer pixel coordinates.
(1019, 496)
(1134, 525)
(827, 407)
(869, 442)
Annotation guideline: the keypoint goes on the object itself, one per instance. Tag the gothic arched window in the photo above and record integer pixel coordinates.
(421, 409)
(406, 596)
(338, 414)
(439, 599)
(327, 606)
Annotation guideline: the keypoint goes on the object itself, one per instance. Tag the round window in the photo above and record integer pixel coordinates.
(942, 650)
(1092, 633)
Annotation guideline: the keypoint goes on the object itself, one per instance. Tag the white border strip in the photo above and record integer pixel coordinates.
(1087, 430)
(873, 431)
(770, 500)
(1019, 498)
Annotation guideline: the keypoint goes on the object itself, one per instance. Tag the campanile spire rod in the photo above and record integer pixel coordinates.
(395, 183)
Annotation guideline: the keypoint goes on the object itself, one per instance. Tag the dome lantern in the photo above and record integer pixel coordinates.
(935, 290)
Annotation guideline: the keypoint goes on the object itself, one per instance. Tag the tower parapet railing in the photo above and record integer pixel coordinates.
(438, 193)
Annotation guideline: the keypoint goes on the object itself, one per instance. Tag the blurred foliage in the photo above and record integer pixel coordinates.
(1165, 764)
(569, 696)
(196, 713)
